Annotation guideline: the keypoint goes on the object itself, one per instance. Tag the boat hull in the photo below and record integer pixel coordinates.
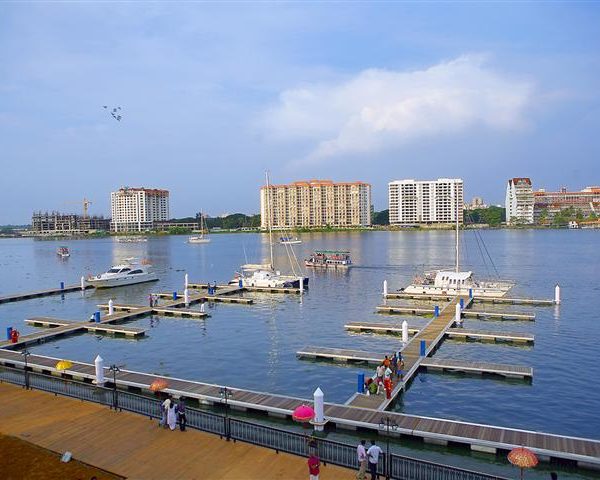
(121, 281)
(327, 266)
(201, 241)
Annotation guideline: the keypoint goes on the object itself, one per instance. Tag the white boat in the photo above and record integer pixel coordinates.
(63, 252)
(289, 240)
(131, 239)
(127, 273)
(447, 282)
(265, 275)
(329, 259)
(203, 237)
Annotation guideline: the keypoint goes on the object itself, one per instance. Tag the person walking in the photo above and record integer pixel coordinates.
(313, 467)
(373, 453)
(171, 416)
(151, 300)
(164, 408)
(361, 454)
(181, 414)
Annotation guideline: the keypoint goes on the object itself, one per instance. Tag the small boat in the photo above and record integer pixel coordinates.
(203, 237)
(128, 273)
(131, 239)
(329, 259)
(63, 252)
(289, 240)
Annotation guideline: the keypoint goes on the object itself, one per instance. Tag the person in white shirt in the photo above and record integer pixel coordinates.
(361, 454)
(165, 410)
(373, 453)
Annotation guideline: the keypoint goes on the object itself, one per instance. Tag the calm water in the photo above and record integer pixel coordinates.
(254, 346)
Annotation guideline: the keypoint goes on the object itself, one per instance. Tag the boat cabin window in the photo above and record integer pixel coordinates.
(125, 270)
(114, 270)
(133, 272)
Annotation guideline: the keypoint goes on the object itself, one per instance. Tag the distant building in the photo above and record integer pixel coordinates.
(426, 201)
(56, 223)
(475, 204)
(519, 201)
(548, 204)
(316, 203)
(136, 209)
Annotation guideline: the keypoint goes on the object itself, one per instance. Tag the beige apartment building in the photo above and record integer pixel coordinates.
(316, 203)
(136, 209)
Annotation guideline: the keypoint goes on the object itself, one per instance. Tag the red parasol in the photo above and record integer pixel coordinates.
(522, 458)
(303, 414)
(159, 384)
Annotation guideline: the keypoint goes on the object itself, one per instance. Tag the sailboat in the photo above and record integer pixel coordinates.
(457, 282)
(203, 237)
(265, 275)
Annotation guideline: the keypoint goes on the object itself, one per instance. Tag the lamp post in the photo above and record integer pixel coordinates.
(26, 354)
(387, 423)
(226, 394)
(114, 369)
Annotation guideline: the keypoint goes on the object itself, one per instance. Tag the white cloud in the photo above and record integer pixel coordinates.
(379, 109)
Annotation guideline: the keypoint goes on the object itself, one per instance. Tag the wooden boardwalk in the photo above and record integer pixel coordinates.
(15, 297)
(476, 436)
(450, 364)
(448, 298)
(133, 447)
(49, 322)
(464, 333)
(179, 312)
(466, 313)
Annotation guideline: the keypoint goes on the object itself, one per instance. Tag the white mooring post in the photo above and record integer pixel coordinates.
(405, 331)
(319, 410)
(99, 363)
(82, 283)
(111, 307)
(301, 285)
(557, 294)
(457, 314)
(186, 281)
(385, 290)
(186, 297)
(202, 307)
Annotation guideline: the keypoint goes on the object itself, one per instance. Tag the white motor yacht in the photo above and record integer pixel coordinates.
(127, 273)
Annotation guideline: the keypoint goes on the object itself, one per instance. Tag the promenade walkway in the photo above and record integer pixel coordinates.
(135, 447)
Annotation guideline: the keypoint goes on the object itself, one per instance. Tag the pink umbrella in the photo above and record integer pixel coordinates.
(303, 414)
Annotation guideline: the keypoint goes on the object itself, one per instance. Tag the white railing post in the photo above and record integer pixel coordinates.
(99, 364)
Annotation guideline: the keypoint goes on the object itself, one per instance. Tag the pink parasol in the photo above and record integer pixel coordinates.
(303, 414)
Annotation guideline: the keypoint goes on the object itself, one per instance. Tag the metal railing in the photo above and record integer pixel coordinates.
(329, 451)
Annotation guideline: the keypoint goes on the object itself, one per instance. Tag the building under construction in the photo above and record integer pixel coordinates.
(56, 223)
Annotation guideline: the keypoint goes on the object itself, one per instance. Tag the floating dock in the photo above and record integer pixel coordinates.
(448, 364)
(15, 297)
(477, 437)
(208, 298)
(466, 313)
(49, 322)
(464, 333)
(342, 355)
(179, 312)
(229, 289)
(448, 298)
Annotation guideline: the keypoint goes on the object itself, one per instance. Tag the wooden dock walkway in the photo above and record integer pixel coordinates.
(479, 437)
(208, 298)
(448, 298)
(229, 289)
(342, 355)
(466, 313)
(179, 312)
(15, 297)
(448, 364)
(49, 322)
(464, 333)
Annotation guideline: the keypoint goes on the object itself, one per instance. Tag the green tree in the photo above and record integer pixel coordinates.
(381, 218)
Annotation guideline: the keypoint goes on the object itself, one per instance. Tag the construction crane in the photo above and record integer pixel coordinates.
(86, 204)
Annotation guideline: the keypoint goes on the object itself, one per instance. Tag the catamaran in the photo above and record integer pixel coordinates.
(203, 237)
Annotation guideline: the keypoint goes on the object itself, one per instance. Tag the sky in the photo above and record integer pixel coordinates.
(212, 95)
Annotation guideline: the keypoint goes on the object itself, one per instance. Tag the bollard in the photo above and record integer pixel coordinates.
(82, 283)
(186, 281)
(62, 285)
(319, 410)
(99, 363)
(186, 297)
(8, 333)
(457, 315)
(557, 294)
(174, 295)
(97, 317)
(360, 383)
(423, 348)
(462, 303)
(385, 290)
(470, 293)
(111, 307)
(405, 331)
(436, 311)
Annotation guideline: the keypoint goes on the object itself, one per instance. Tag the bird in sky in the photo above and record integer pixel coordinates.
(115, 112)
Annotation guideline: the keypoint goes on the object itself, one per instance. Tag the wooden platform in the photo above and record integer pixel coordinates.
(209, 298)
(484, 335)
(229, 289)
(179, 312)
(446, 364)
(466, 313)
(15, 297)
(342, 355)
(476, 436)
(49, 322)
(447, 298)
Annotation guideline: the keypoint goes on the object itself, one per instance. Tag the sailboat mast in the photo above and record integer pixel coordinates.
(268, 198)
(455, 190)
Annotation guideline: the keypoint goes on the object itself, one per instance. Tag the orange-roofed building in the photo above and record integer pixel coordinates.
(136, 209)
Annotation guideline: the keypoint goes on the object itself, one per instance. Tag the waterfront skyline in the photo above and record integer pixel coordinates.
(213, 95)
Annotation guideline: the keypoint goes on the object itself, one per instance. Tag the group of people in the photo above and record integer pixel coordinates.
(173, 413)
(368, 457)
(153, 300)
(384, 375)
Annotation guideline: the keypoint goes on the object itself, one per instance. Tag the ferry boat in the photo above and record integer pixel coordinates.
(128, 273)
(289, 240)
(329, 259)
(63, 252)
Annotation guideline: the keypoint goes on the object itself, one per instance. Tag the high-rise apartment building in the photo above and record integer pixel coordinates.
(315, 203)
(426, 201)
(519, 201)
(136, 209)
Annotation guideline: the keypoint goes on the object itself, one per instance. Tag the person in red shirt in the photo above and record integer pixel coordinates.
(313, 467)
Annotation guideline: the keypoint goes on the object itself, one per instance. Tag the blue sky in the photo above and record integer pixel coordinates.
(213, 94)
